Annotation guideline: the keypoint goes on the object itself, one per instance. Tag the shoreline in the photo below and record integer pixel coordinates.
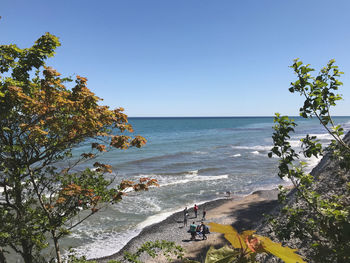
(243, 212)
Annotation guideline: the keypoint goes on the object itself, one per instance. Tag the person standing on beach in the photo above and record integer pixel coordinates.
(185, 219)
(193, 228)
(195, 208)
(185, 211)
(204, 229)
(204, 214)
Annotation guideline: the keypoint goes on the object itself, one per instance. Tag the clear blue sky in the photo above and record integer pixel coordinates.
(188, 57)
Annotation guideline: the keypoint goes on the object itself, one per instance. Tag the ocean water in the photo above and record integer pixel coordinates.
(194, 160)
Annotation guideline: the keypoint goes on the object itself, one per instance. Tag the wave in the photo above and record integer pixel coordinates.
(256, 147)
(255, 152)
(209, 169)
(295, 143)
(107, 244)
(165, 156)
(320, 136)
(236, 155)
(245, 129)
(181, 173)
(198, 178)
(167, 173)
(190, 176)
(193, 172)
(199, 152)
(156, 218)
(158, 158)
(176, 165)
(311, 163)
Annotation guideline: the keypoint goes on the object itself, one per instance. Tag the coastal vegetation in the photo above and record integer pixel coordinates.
(43, 116)
(318, 214)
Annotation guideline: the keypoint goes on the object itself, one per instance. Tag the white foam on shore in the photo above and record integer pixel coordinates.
(111, 243)
(156, 218)
(106, 245)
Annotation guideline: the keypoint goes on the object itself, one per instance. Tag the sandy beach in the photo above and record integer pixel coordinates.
(243, 213)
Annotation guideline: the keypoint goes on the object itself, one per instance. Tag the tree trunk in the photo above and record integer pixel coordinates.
(57, 247)
(2, 256)
(27, 252)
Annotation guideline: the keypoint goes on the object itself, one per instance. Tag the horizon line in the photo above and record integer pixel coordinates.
(237, 116)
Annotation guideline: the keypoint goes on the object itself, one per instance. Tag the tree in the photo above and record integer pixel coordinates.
(41, 121)
(320, 214)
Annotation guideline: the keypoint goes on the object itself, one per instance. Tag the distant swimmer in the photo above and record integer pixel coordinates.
(228, 194)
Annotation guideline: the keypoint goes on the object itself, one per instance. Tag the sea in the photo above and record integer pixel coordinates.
(195, 160)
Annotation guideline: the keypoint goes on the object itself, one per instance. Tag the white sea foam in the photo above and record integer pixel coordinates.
(108, 244)
(200, 152)
(255, 152)
(156, 218)
(311, 163)
(139, 204)
(236, 155)
(190, 176)
(324, 136)
(256, 147)
(286, 179)
(295, 143)
(320, 136)
(198, 178)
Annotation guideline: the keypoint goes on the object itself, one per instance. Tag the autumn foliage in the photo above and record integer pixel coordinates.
(43, 116)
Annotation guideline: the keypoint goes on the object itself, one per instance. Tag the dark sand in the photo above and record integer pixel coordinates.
(242, 213)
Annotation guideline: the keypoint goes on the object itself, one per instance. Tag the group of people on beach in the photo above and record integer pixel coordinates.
(195, 209)
(201, 229)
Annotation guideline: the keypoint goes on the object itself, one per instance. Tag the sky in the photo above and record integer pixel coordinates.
(188, 57)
